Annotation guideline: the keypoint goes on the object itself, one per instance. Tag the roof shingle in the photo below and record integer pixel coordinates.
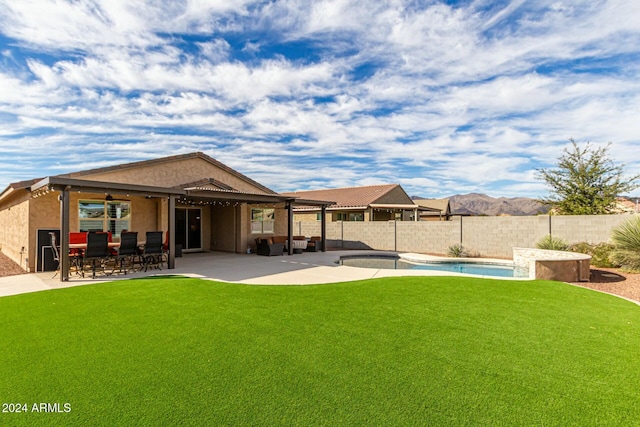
(349, 197)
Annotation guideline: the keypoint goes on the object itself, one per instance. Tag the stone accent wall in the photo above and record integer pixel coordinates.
(553, 265)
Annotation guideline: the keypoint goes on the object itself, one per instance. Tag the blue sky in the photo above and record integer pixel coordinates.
(442, 97)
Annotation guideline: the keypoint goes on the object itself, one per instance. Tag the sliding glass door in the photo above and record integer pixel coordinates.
(189, 228)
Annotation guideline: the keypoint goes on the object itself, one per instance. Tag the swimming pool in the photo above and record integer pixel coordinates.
(477, 268)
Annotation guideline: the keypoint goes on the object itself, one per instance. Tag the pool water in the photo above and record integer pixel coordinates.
(466, 267)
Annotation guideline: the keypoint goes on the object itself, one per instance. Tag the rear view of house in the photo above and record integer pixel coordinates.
(203, 204)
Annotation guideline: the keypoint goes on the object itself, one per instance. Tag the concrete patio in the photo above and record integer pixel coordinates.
(302, 269)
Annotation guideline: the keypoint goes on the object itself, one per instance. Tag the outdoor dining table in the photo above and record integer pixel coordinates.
(84, 245)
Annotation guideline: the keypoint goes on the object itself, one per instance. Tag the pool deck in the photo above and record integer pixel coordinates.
(301, 269)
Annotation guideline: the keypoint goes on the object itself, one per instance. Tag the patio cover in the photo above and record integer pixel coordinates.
(66, 185)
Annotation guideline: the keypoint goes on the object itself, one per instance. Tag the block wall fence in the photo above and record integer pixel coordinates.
(488, 236)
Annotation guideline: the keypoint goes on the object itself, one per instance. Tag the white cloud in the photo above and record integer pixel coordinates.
(459, 98)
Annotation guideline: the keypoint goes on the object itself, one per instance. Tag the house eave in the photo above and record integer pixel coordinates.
(57, 183)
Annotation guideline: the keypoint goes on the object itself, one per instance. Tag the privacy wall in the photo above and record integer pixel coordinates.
(488, 236)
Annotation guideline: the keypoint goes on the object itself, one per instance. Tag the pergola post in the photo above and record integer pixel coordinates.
(323, 228)
(290, 227)
(171, 232)
(64, 234)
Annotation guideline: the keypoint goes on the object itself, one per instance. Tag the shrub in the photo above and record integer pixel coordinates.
(552, 243)
(626, 238)
(601, 253)
(457, 251)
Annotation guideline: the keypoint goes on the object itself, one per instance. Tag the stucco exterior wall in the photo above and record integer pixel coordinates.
(244, 228)
(14, 230)
(146, 215)
(223, 228)
(307, 216)
(395, 196)
(169, 174)
(44, 213)
(281, 225)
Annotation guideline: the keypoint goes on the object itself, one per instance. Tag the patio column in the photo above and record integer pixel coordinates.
(171, 232)
(290, 227)
(323, 228)
(64, 234)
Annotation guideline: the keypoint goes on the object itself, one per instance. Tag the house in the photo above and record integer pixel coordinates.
(385, 202)
(201, 204)
(625, 205)
(439, 209)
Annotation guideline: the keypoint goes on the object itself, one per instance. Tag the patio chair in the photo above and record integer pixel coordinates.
(128, 249)
(153, 255)
(267, 247)
(314, 244)
(75, 238)
(56, 253)
(97, 253)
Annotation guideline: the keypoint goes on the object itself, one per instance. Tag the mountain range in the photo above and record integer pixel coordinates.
(481, 204)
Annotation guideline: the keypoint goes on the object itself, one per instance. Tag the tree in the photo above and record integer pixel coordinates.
(585, 181)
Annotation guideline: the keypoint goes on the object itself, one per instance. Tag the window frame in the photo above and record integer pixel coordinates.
(107, 218)
(260, 222)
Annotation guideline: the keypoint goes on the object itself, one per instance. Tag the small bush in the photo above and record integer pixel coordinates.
(626, 238)
(601, 253)
(629, 261)
(457, 251)
(552, 243)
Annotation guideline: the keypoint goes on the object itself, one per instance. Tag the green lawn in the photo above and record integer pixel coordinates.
(395, 351)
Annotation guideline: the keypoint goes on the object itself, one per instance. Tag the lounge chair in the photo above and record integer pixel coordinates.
(267, 247)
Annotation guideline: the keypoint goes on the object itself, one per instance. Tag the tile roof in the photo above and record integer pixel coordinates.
(207, 183)
(349, 197)
(440, 204)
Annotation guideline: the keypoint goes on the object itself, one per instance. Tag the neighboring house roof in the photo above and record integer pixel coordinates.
(441, 205)
(624, 205)
(357, 197)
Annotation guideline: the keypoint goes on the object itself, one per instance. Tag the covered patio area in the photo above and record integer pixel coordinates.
(232, 225)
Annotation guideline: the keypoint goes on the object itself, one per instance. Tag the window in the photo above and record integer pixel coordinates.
(113, 216)
(350, 216)
(319, 216)
(262, 221)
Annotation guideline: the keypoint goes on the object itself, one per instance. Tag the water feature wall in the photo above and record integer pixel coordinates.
(553, 265)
